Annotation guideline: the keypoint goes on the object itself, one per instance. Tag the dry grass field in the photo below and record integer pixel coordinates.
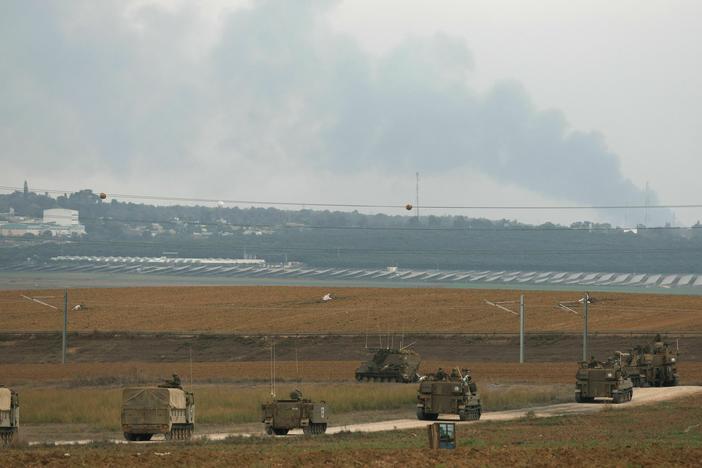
(285, 309)
(228, 405)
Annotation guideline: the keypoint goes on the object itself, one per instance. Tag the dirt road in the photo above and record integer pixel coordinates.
(642, 396)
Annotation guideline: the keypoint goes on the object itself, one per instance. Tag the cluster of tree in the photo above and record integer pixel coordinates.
(335, 238)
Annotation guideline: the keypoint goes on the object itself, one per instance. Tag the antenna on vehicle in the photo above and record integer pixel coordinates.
(367, 325)
(273, 369)
(405, 347)
(190, 352)
(402, 331)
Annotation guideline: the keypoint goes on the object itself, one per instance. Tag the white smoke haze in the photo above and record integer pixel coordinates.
(263, 100)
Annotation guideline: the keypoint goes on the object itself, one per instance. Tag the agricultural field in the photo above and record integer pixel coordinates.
(666, 434)
(129, 373)
(139, 336)
(281, 309)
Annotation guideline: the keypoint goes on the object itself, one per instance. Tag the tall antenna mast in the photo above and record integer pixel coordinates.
(646, 206)
(191, 366)
(417, 199)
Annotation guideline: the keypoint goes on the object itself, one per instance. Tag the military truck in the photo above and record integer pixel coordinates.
(279, 416)
(9, 415)
(596, 379)
(443, 393)
(390, 365)
(166, 409)
(653, 365)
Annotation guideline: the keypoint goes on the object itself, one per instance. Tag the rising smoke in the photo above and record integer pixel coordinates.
(132, 87)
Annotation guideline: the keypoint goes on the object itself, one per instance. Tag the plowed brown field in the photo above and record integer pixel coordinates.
(281, 309)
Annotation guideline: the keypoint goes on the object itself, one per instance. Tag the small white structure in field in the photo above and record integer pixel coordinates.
(327, 297)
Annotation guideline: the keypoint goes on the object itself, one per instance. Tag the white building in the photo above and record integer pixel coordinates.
(61, 217)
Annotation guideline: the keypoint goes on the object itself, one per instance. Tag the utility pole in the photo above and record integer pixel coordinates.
(521, 329)
(585, 301)
(501, 305)
(65, 325)
(585, 331)
(417, 199)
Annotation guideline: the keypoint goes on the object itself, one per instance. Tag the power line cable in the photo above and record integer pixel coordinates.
(370, 205)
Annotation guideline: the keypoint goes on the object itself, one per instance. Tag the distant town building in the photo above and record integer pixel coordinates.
(61, 217)
(55, 223)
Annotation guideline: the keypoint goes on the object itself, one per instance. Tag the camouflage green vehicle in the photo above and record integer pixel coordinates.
(653, 365)
(279, 416)
(390, 365)
(166, 409)
(9, 415)
(595, 379)
(442, 393)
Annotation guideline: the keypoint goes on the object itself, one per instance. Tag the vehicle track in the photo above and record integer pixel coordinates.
(642, 396)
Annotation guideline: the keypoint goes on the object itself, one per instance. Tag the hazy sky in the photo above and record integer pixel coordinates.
(493, 102)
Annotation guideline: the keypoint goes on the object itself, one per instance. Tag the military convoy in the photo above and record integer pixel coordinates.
(390, 365)
(442, 393)
(653, 365)
(9, 415)
(279, 416)
(166, 409)
(596, 379)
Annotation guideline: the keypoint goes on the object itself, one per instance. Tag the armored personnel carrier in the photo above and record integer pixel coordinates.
(442, 393)
(166, 409)
(653, 365)
(9, 415)
(279, 416)
(390, 365)
(595, 379)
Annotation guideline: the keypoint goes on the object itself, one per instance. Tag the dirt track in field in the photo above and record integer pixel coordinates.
(642, 396)
(285, 309)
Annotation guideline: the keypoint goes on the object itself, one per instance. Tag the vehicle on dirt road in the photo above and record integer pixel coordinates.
(166, 409)
(653, 365)
(9, 415)
(443, 393)
(596, 379)
(390, 365)
(279, 416)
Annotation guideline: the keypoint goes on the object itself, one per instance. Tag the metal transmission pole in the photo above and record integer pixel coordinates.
(417, 201)
(585, 301)
(65, 325)
(501, 305)
(521, 329)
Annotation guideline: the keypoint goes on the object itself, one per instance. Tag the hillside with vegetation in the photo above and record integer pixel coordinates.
(347, 239)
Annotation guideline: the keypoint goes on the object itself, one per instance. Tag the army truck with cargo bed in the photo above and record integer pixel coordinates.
(442, 393)
(653, 365)
(390, 365)
(595, 379)
(9, 415)
(279, 416)
(166, 409)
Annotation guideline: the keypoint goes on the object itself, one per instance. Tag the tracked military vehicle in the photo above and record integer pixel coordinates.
(279, 416)
(442, 393)
(653, 365)
(595, 379)
(390, 365)
(9, 415)
(166, 409)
